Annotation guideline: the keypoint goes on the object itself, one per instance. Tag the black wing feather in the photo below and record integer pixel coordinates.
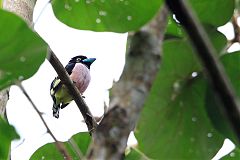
(69, 67)
(54, 88)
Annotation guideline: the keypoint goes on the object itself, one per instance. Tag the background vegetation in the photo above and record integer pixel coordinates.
(181, 116)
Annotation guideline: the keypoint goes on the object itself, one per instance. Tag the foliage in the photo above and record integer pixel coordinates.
(103, 15)
(213, 107)
(181, 118)
(206, 11)
(22, 51)
(7, 134)
(175, 114)
(49, 151)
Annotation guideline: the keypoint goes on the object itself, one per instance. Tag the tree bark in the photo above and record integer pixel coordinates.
(24, 9)
(129, 94)
(4, 96)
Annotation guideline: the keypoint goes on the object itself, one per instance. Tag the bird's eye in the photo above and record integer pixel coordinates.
(78, 59)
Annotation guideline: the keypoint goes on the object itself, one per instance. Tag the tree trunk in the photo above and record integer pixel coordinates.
(129, 94)
(23, 8)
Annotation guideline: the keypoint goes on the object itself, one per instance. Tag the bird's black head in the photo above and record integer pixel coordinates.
(83, 60)
(77, 59)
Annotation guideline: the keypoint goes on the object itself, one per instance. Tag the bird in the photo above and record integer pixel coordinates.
(78, 69)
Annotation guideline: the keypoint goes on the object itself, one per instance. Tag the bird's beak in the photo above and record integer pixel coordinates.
(89, 60)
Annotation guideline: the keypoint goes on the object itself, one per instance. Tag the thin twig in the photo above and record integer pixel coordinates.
(41, 12)
(213, 67)
(82, 106)
(58, 144)
(105, 108)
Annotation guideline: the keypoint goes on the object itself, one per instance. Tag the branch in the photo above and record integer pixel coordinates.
(82, 106)
(23, 8)
(236, 28)
(130, 92)
(213, 67)
(58, 144)
(40, 14)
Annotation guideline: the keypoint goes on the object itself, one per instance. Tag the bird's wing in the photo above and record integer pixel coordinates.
(69, 67)
(55, 85)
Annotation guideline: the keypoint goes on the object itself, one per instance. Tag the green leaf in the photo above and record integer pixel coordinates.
(237, 5)
(22, 50)
(135, 154)
(234, 155)
(49, 151)
(83, 140)
(215, 110)
(104, 15)
(218, 39)
(174, 30)
(208, 11)
(7, 134)
(174, 123)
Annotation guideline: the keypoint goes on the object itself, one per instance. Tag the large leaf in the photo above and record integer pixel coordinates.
(174, 30)
(7, 134)
(105, 15)
(215, 110)
(174, 123)
(214, 12)
(218, 39)
(21, 50)
(50, 152)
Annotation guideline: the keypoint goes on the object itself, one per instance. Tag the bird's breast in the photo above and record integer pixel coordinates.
(81, 77)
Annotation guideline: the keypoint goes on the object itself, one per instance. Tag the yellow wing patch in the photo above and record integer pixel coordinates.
(55, 83)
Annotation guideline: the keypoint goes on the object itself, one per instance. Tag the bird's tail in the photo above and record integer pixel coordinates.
(56, 109)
